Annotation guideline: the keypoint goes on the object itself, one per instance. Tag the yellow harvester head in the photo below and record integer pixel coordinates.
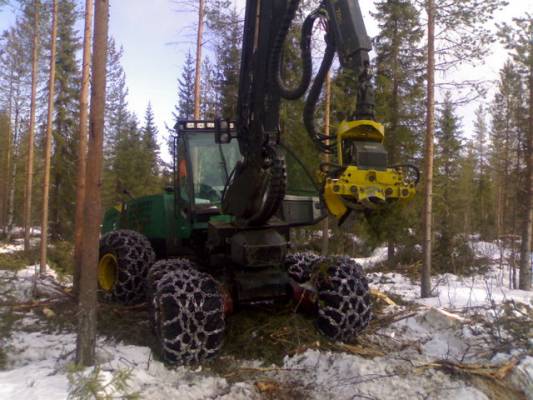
(362, 179)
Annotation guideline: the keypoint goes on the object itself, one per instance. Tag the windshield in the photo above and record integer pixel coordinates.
(211, 163)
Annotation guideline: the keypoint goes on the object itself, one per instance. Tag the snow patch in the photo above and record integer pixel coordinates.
(343, 376)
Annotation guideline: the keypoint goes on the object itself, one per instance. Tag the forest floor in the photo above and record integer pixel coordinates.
(472, 340)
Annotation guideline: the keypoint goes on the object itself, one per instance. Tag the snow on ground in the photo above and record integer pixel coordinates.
(17, 245)
(23, 285)
(463, 323)
(344, 376)
(451, 291)
(38, 368)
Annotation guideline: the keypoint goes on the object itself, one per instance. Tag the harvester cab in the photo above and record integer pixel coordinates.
(204, 157)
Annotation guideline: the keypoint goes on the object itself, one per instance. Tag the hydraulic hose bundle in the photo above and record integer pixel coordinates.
(304, 83)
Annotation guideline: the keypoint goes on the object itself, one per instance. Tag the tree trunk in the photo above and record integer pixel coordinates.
(198, 70)
(29, 167)
(13, 177)
(86, 340)
(525, 250)
(428, 170)
(392, 134)
(9, 155)
(48, 140)
(82, 150)
(327, 107)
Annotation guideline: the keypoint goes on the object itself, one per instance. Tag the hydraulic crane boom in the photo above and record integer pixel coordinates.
(361, 178)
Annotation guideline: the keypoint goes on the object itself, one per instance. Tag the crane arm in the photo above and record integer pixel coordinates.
(361, 178)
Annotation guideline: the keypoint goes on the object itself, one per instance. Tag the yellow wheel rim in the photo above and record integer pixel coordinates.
(107, 272)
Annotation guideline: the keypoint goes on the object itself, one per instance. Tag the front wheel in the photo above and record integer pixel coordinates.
(187, 309)
(344, 304)
(342, 293)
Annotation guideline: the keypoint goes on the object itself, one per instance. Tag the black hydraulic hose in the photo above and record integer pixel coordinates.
(412, 168)
(276, 55)
(320, 139)
(314, 96)
(301, 164)
(307, 63)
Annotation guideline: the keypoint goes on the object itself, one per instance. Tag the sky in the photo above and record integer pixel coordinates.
(156, 38)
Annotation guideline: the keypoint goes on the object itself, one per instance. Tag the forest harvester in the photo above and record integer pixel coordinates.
(219, 238)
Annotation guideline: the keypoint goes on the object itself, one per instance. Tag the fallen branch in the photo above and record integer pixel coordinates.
(31, 304)
(263, 370)
(498, 372)
(360, 350)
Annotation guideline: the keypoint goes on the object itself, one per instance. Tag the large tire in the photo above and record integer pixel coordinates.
(344, 304)
(125, 257)
(188, 316)
(300, 265)
(161, 268)
(156, 272)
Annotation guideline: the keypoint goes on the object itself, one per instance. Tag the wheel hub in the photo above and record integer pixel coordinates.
(107, 272)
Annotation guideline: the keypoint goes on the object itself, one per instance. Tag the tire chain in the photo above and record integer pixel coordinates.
(162, 267)
(135, 256)
(344, 304)
(156, 272)
(188, 316)
(300, 265)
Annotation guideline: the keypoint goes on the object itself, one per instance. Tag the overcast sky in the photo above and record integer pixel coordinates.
(153, 36)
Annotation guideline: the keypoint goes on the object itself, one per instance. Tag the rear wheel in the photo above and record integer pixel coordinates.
(125, 257)
(187, 315)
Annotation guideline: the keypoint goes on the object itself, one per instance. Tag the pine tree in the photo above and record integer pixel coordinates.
(5, 135)
(48, 141)
(117, 114)
(482, 223)
(86, 339)
(465, 198)
(151, 151)
(505, 140)
(210, 102)
(82, 149)
(399, 97)
(518, 40)
(35, 10)
(456, 34)
(117, 120)
(198, 60)
(225, 28)
(15, 60)
(66, 122)
(185, 107)
(448, 159)
(132, 163)
(427, 216)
